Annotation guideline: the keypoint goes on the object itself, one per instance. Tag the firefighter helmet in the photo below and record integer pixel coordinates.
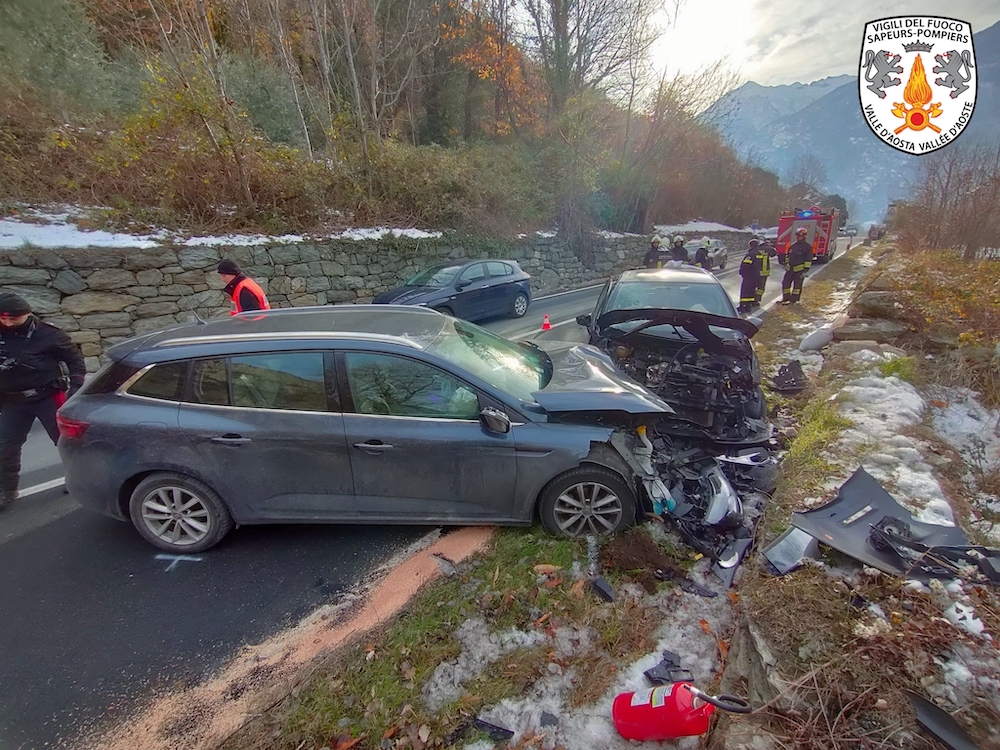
(656, 240)
(706, 242)
(678, 240)
(801, 230)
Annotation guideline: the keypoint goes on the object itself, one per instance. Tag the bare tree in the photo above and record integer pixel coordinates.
(589, 43)
(807, 169)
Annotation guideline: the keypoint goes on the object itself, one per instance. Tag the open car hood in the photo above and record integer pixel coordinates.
(695, 323)
(585, 380)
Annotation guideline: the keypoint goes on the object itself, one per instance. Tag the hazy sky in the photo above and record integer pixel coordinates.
(783, 41)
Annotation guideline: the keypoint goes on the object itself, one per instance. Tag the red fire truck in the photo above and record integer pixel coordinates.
(821, 226)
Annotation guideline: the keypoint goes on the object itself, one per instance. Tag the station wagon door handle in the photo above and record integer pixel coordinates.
(231, 440)
(373, 447)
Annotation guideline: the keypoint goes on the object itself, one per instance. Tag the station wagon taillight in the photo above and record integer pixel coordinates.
(71, 429)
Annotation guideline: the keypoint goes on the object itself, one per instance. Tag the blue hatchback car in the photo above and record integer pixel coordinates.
(469, 289)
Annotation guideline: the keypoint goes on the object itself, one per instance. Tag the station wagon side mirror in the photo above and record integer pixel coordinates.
(495, 420)
(584, 320)
(462, 284)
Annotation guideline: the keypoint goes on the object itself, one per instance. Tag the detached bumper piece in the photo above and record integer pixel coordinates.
(719, 499)
(864, 522)
(790, 378)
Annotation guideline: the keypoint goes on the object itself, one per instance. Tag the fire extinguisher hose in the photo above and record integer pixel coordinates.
(731, 703)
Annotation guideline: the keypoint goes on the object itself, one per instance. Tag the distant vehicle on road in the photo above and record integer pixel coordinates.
(469, 289)
(718, 254)
(353, 414)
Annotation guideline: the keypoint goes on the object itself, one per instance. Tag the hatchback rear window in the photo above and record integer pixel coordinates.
(163, 381)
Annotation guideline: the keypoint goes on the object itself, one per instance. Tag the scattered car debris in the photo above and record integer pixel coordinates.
(685, 583)
(603, 589)
(786, 553)
(495, 733)
(940, 724)
(668, 670)
(863, 521)
(791, 378)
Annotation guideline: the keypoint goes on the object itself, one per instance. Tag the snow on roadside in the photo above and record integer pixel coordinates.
(56, 228)
(694, 226)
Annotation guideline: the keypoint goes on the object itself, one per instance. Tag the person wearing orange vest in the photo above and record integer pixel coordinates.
(245, 293)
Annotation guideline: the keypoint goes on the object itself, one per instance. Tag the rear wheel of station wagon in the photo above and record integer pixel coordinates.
(586, 500)
(178, 513)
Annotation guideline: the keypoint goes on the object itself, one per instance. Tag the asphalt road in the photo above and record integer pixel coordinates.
(94, 620)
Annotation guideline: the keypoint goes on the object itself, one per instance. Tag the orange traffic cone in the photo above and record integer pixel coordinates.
(546, 325)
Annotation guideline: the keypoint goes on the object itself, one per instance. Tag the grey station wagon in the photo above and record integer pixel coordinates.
(354, 414)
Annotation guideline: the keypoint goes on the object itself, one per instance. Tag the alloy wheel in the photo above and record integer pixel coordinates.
(520, 305)
(176, 515)
(587, 508)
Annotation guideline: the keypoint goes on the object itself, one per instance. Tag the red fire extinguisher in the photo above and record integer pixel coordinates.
(670, 711)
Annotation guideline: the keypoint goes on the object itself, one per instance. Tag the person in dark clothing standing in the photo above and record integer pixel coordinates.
(39, 368)
(797, 262)
(678, 253)
(750, 273)
(245, 293)
(654, 258)
(701, 254)
(766, 251)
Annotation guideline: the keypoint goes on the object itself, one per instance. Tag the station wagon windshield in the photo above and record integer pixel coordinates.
(501, 363)
(438, 277)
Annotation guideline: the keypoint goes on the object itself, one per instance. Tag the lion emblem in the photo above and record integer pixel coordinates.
(885, 65)
(952, 63)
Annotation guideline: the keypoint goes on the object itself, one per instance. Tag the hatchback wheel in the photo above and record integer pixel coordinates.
(586, 500)
(520, 305)
(178, 513)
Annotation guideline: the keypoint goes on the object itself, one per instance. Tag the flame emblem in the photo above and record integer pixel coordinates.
(917, 94)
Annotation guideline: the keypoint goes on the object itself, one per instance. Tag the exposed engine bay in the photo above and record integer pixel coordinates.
(711, 378)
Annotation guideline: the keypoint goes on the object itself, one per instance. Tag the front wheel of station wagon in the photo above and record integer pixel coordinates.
(586, 500)
(178, 513)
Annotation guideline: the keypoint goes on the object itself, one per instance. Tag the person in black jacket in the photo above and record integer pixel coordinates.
(39, 368)
(701, 254)
(797, 262)
(654, 257)
(766, 251)
(750, 273)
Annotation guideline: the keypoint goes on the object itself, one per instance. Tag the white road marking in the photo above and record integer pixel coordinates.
(570, 291)
(43, 487)
(176, 559)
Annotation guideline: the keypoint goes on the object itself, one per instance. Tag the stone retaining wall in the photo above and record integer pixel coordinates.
(103, 295)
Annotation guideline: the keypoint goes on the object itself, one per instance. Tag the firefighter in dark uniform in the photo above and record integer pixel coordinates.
(39, 368)
(750, 273)
(654, 258)
(678, 253)
(701, 254)
(797, 262)
(245, 293)
(766, 251)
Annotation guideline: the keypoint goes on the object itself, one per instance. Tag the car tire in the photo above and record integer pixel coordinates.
(722, 264)
(562, 504)
(445, 310)
(197, 518)
(519, 305)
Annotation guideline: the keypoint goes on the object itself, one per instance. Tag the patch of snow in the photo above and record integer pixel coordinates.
(879, 409)
(242, 240)
(967, 426)
(59, 233)
(546, 234)
(694, 226)
(617, 235)
(379, 232)
(480, 648)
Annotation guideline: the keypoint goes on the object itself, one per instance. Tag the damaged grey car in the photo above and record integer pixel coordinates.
(675, 331)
